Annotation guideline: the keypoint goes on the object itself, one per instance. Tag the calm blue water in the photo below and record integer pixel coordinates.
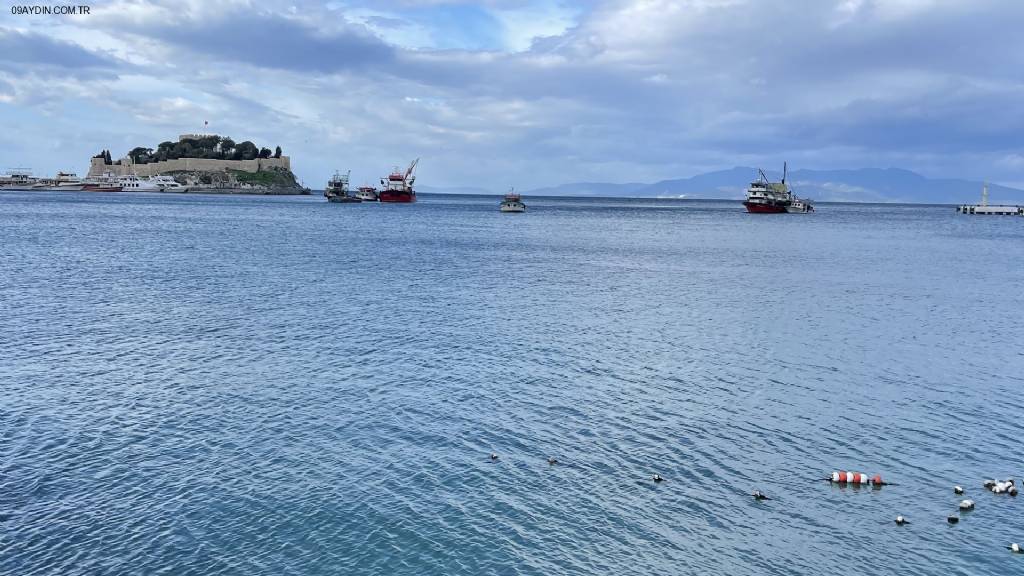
(245, 385)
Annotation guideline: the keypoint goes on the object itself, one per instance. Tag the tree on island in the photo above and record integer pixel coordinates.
(212, 147)
(227, 145)
(245, 151)
(140, 155)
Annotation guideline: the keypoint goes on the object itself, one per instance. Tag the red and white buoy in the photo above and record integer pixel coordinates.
(843, 477)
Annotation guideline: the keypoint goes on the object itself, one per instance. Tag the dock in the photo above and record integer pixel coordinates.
(985, 209)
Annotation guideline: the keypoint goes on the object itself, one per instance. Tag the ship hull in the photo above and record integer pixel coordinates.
(755, 208)
(343, 200)
(396, 197)
(99, 188)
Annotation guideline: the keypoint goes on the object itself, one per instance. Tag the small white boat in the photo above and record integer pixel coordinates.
(512, 203)
(800, 206)
(366, 193)
(167, 184)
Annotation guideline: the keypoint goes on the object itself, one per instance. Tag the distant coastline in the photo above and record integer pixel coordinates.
(860, 186)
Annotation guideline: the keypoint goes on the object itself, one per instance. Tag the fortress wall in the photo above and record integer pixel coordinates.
(98, 168)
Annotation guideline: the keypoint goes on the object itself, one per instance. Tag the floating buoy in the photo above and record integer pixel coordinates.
(494, 456)
(657, 478)
(952, 518)
(1015, 548)
(1001, 487)
(758, 495)
(900, 521)
(967, 504)
(958, 490)
(855, 478)
(552, 461)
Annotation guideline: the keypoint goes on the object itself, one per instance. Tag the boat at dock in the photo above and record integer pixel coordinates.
(767, 197)
(398, 187)
(132, 183)
(986, 209)
(18, 179)
(337, 189)
(167, 184)
(512, 202)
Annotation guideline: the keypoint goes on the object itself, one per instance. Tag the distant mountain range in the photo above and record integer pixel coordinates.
(862, 185)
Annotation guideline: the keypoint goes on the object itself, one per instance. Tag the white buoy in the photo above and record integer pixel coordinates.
(967, 504)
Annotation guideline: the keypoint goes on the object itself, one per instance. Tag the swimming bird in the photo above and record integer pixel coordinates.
(900, 521)
(958, 490)
(967, 504)
(952, 519)
(1015, 548)
(657, 478)
(758, 495)
(1012, 491)
(552, 461)
(493, 456)
(989, 484)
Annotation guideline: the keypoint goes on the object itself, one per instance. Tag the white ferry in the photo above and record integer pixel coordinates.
(132, 183)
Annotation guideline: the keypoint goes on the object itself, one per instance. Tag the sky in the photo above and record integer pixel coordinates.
(527, 93)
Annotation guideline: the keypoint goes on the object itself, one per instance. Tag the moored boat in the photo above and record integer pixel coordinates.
(366, 193)
(398, 187)
(767, 197)
(337, 189)
(512, 202)
(167, 183)
(18, 179)
(132, 183)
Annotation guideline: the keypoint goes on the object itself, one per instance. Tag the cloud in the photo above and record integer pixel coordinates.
(38, 54)
(546, 92)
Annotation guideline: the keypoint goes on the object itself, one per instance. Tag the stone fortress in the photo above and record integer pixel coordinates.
(98, 167)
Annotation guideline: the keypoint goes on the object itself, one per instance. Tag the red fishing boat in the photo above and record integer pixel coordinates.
(397, 187)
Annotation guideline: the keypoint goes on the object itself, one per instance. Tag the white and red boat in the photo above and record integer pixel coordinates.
(397, 187)
(767, 197)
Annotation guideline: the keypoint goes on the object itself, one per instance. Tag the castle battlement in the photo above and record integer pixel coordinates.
(98, 167)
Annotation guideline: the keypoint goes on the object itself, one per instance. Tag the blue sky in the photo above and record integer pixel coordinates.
(528, 93)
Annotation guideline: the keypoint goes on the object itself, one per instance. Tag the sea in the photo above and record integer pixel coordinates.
(222, 385)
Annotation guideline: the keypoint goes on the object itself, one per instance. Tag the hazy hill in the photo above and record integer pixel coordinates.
(862, 185)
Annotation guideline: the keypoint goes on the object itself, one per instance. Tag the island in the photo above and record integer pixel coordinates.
(208, 164)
